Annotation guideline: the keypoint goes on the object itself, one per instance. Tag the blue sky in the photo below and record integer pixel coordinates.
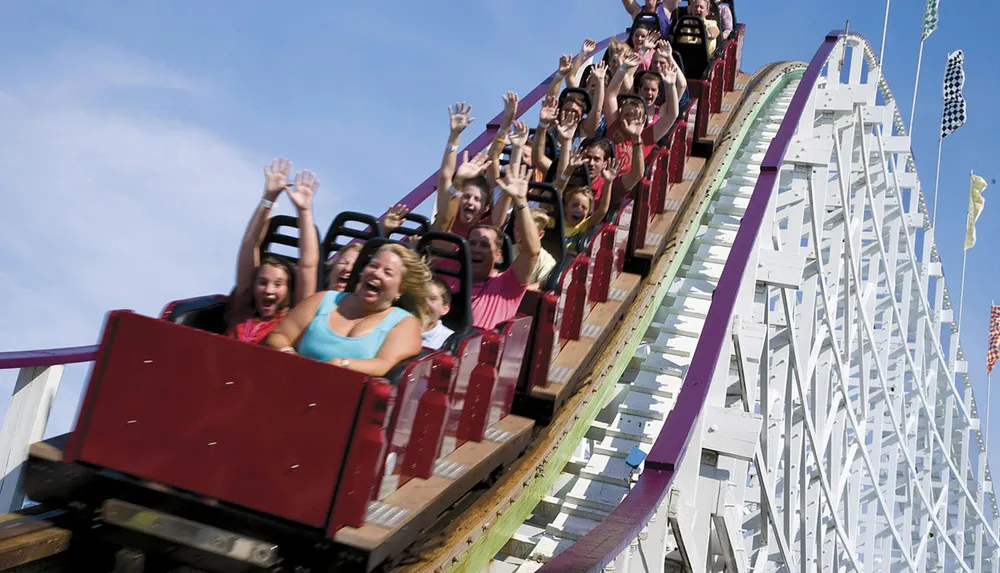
(134, 133)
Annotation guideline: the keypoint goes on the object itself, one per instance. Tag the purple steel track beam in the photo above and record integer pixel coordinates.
(425, 189)
(609, 539)
(50, 357)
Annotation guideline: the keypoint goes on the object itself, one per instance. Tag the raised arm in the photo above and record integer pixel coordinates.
(568, 158)
(670, 108)
(547, 115)
(459, 119)
(518, 139)
(626, 70)
(515, 184)
(275, 181)
(591, 124)
(500, 141)
(604, 203)
(633, 126)
(306, 185)
(401, 342)
(585, 51)
(565, 65)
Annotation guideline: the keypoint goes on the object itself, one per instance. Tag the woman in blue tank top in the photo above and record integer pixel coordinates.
(369, 330)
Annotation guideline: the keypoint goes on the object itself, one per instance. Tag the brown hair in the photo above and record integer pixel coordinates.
(496, 230)
(278, 262)
(445, 291)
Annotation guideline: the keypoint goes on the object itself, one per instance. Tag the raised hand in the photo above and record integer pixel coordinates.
(651, 40)
(600, 70)
(611, 171)
(471, 169)
(666, 50)
(276, 178)
(588, 48)
(576, 159)
(634, 124)
(632, 61)
(306, 185)
(509, 107)
(550, 107)
(515, 183)
(519, 134)
(567, 124)
(565, 64)
(460, 118)
(394, 218)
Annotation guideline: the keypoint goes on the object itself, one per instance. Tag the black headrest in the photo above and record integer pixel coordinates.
(365, 255)
(548, 196)
(339, 231)
(508, 253)
(277, 235)
(448, 256)
(579, 91)
(645, 20)
(690, 42)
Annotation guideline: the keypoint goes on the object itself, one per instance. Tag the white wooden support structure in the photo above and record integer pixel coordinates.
(845, 363)
(24, 424)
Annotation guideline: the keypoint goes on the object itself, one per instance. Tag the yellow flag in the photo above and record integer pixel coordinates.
(976, 204)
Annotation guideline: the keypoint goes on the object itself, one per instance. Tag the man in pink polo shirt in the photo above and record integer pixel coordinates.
(496, 296)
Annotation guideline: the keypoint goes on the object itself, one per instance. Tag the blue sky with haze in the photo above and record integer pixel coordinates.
(134, 134)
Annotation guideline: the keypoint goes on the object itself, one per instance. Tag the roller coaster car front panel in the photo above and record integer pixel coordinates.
(243, 424)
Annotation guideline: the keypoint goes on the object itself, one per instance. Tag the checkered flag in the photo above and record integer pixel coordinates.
(993, 354)
(930, 19)
(953, 114)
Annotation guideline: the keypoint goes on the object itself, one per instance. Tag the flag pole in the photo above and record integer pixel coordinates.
(885, 28)
(965, 253)
(916, 84)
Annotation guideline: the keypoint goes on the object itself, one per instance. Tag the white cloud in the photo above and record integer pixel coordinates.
(105, 208)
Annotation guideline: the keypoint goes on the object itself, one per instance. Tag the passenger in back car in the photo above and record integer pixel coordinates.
(633, 138)
(267, 288)
(703, 9)
(582, 211)
(663, 10)
(340, 265)
(438, 304)
(463, 194)
(496, 296)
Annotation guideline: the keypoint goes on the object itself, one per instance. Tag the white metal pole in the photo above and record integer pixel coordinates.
(937, 180)
(885, 27)
(916, 84)
(961, 289)
(986, 430)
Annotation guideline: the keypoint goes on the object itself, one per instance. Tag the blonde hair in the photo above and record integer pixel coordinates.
(417, 279)
(542, 219)
(343, 250)
(585, 191)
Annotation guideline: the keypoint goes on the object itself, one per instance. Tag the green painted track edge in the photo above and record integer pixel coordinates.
(479, 555)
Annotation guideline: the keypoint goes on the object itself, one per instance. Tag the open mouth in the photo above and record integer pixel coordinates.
(371, 288)
(269, 303)
(342, 279)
